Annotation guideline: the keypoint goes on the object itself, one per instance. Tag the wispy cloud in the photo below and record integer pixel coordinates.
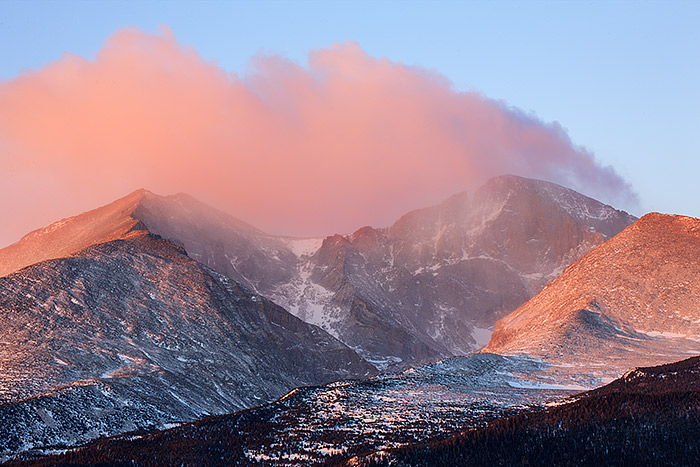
(340, 142)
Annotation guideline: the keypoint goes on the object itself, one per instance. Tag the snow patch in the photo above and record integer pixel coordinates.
(482, 336)
(520, 384)
(667, 335)
(304, 246)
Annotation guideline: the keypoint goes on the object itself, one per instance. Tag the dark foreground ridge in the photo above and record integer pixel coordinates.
(650, 416)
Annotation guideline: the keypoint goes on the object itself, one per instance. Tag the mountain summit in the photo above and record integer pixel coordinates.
(633, 301)
(433, 284)
(130, 332)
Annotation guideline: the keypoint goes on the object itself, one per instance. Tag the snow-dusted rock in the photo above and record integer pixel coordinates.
(133, 333)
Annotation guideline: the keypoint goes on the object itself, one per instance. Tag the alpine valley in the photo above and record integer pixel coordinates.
(180, 335)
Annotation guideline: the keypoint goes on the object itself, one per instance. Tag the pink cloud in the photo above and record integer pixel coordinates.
(343, 141)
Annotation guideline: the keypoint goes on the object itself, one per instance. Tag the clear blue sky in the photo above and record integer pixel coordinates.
(622, 77)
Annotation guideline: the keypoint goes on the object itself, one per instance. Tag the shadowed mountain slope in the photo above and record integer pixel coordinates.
(133, 333)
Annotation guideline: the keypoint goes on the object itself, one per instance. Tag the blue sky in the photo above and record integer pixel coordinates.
(621, 77)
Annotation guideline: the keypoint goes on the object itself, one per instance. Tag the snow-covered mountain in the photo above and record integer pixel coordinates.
(430, 286)
(633, 301)
(433, 284)
(133, 333)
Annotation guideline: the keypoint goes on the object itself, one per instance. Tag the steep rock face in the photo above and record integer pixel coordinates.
(133, 333)
(436, 281)
(633, 301)
(222, 242)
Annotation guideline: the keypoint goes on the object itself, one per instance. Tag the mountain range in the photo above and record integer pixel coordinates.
(154, 311)
(430, 286)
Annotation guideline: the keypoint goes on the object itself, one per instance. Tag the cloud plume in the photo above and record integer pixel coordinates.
(342, 141)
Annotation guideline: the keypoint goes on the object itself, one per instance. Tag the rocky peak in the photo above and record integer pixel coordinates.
(72, 234)
(542, 195)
